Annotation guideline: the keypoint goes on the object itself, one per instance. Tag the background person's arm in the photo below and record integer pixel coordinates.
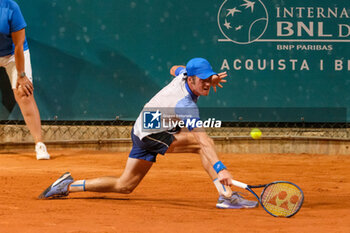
(18, 39)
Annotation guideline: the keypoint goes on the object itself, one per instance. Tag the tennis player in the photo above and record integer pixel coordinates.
(177, 101)
(15, 57)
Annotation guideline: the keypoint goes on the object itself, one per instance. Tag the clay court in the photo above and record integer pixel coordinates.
(176, 195)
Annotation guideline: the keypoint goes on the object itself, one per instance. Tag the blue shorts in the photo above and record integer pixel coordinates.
(150, 146)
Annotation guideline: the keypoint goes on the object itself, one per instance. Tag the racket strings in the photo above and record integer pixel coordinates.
(282, 199)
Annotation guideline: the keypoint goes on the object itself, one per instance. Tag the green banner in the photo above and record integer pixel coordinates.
(98, 60)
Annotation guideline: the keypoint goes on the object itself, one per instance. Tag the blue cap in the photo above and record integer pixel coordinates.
(199, 67)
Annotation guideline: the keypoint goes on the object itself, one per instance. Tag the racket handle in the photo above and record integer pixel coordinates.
(239, 184)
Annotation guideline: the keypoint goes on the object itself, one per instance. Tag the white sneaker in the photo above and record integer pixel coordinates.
(41, 152)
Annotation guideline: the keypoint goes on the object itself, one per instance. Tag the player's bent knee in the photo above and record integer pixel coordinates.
(125, 189)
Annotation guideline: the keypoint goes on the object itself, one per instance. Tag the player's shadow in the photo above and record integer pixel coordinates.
(169, 202)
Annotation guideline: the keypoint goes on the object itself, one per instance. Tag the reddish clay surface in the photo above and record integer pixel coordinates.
(176, 195)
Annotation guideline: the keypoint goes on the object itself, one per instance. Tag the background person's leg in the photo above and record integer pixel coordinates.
(31, 117)
(27, 105)
(30, 113)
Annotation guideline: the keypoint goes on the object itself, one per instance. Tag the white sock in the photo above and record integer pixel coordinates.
(222, 189)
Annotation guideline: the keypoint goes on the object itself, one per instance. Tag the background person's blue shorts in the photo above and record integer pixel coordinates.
(150, 146)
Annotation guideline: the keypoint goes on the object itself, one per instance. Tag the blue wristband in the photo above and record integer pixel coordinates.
(219, 166)
(179, 70)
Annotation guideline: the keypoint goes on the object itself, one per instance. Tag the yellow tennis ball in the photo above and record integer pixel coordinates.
(255, 133)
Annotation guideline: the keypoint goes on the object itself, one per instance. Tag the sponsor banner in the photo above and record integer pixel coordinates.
(295, 34)
(104, 60)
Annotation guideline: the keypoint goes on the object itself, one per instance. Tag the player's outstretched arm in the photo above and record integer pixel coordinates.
(208, 149)
(218, 79)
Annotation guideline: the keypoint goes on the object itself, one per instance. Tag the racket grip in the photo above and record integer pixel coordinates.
(239, 184)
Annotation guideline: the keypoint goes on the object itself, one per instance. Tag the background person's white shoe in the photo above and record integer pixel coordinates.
(41, 152)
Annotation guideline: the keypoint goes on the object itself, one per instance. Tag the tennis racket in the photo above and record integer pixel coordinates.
(279, 198)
